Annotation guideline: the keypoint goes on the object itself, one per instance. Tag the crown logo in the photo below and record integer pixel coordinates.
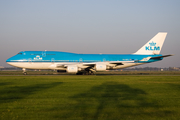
(152, 44)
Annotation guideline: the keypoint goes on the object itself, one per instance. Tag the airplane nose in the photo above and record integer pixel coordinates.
(11, 59)
(8, 60)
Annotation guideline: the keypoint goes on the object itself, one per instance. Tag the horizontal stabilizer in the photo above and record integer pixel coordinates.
(161, 56)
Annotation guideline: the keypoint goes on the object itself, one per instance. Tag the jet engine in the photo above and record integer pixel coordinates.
(100, 67)
(72, 69)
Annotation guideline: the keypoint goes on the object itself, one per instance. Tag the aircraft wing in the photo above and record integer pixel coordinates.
(90, 65)
(107, 63)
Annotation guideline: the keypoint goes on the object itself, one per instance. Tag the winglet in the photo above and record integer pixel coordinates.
(154, 46)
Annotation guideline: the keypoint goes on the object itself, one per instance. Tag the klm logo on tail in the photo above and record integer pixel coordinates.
(152, 47)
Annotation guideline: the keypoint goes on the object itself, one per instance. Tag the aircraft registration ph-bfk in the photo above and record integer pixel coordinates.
(89, 63)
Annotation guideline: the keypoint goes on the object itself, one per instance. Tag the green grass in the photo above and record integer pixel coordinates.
(90, 97)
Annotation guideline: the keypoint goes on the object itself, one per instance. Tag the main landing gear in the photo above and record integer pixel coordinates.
(85, 73)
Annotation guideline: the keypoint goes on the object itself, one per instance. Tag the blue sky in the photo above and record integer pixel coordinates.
(88, 26)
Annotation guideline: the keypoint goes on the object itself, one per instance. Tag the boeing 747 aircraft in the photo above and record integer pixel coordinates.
(89, 63)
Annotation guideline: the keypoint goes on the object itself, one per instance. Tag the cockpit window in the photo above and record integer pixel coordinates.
(19, 53)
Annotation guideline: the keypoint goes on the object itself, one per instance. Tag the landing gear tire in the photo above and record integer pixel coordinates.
(91, 73)
(85, 73)
(79, 73)
(25, 73)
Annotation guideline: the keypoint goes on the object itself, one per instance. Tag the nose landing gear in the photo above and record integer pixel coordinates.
(24, 71)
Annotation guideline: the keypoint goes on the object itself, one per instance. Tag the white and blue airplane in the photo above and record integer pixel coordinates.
(89, 63)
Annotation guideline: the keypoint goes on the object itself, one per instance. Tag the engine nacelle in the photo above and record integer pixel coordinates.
(100, 67)
(72, 69)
